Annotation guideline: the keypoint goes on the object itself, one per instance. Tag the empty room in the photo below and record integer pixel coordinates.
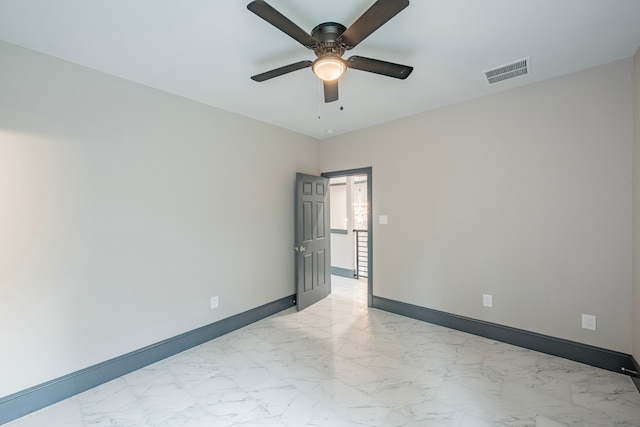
(168, 252)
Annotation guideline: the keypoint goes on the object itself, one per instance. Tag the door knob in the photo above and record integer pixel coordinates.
(300, 248)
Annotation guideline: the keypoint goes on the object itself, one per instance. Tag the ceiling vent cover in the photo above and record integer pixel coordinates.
(509, 71)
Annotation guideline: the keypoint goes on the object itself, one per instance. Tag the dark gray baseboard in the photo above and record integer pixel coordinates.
(32, 399)
(583, 353)
(635, 378)
(343, 272)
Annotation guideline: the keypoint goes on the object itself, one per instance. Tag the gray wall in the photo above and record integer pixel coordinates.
(636, 207)
(124, 209)
(525, 195)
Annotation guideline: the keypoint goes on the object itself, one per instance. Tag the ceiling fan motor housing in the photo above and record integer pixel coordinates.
(327, 34)
(328, 31)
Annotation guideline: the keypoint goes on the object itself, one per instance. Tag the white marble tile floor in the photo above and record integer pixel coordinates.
(339, 363)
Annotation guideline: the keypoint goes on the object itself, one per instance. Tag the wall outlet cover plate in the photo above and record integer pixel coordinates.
(487, 300)
(589, 322)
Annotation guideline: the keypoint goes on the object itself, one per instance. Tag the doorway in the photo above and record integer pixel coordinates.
(352, 225)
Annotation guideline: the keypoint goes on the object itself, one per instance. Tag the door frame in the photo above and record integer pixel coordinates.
(368, 171)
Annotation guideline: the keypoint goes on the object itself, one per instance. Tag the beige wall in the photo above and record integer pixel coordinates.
(110, 192)
(342, 246)
(636, 207)
(123, 209)
(524, 195)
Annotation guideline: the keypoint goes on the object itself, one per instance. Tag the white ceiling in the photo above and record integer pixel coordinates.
(206, 50)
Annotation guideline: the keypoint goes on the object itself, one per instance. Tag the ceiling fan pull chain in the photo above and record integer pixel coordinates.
(319, 97)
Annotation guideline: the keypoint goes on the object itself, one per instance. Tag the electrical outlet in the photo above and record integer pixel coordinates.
(487, 300)
(214, 302)
(589, 322)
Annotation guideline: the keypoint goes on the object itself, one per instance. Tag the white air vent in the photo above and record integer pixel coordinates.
(509, 71)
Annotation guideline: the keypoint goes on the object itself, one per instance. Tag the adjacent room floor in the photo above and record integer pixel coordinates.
(339, 363)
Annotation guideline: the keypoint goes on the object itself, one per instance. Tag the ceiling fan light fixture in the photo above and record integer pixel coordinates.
(329, 68)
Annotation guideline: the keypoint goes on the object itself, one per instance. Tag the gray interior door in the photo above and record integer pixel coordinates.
(313, 239)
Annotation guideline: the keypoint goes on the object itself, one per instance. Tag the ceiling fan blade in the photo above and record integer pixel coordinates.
(376, 16)
(282, 70)
(281, 22)
(384, 68)
(330, 90)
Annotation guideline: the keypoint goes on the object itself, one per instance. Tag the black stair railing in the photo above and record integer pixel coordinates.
(362, 253)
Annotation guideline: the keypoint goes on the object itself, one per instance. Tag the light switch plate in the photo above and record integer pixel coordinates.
(383, 219)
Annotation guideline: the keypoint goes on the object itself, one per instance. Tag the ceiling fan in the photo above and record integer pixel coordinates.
(330, 41)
